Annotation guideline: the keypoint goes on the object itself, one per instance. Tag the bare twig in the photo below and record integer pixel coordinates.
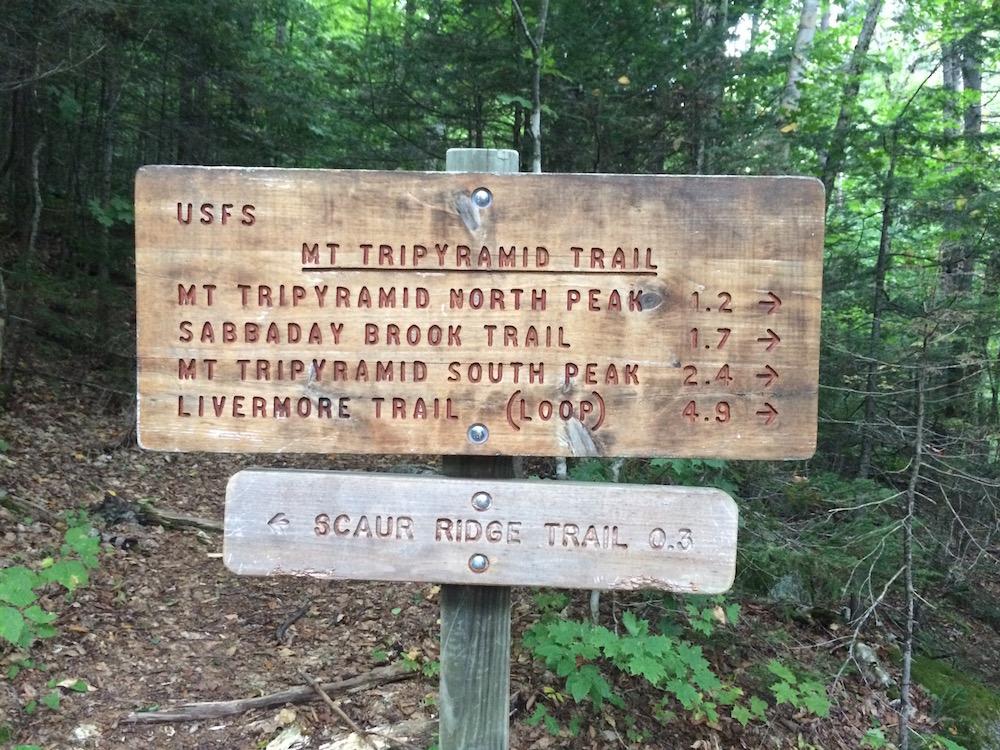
(169, 519)
(337, 709)
(300, 694)
(282, 630)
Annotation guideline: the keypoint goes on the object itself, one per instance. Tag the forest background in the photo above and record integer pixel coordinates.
(892, 105)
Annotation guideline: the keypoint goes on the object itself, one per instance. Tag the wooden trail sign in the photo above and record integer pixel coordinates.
(459, 313)
(489, 532)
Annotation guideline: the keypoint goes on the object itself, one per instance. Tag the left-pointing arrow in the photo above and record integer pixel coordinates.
(278, 522)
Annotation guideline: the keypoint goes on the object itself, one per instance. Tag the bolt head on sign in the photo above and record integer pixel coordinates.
(460, 313)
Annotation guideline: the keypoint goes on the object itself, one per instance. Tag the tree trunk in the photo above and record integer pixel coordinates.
(832, 162)
(910, 594)
(797, 65)
(868, 430)
(878, 300)
(535, 41)
(109, 105)
(960, 244)
(796, 72)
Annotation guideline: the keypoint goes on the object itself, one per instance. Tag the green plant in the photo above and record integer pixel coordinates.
(576, 652)
(874, 738)
(119, 209)
(806, 694)
(22, 620)
(680, 471)
(965, 706)
(705, 612)
(701, 472)
(550, 601)
(939, 742)
(428, 667)
(541, 714)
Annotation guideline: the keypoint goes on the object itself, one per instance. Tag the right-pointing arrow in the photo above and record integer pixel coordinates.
(773, 302)
(772, 338)
(768, 412)
(770, 373)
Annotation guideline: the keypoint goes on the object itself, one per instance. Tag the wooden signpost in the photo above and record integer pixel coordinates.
(479, 314)
(390, 527)
(601, 315)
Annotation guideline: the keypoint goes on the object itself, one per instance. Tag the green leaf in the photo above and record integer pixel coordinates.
(552, 725)
(38, 615)
(79, 540)
(16, 584)
(578, 686)
(946, 743)
(12, 625)
(741, 714)
(79, 686)
(536, 717)
(758, 707)
(70, 573)
(780, 671)
(785, 693)
(650, 668)
(685, 693)
(702, 626)
(630, 621)
(45, 631)
(52, 700)
(816, 702)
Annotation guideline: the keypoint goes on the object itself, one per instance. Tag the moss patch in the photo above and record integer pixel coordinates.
(971, 711)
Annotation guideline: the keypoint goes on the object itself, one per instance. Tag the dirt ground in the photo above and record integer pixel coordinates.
(164, 623)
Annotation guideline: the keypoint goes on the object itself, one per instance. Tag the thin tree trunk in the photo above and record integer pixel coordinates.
(878, 300)
(711, 17)
(108, 133)
(797, 65)
(878, 307)
(832, 162)
(796, 71)
(535, 41)
(911, 495)
(959, 248)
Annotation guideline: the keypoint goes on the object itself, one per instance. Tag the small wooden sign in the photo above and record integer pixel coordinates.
(390, 527)
(369, 312)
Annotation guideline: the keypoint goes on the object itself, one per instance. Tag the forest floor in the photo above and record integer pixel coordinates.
(165, 623)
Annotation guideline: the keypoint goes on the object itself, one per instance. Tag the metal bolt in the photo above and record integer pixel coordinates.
(482, 501)
(479, 563)
(482, 198)
(478, 434)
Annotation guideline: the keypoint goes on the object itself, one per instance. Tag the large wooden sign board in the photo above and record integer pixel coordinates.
(484, 532)
(369, 312)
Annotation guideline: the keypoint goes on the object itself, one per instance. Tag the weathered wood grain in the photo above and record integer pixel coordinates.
(368, 312)
(403, 528)
(474, 682)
